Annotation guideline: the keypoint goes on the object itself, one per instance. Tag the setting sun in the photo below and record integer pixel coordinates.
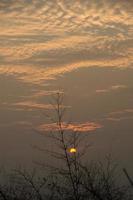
(73, 150)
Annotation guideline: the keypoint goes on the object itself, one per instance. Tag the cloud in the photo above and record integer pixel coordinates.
(39, 75)
(67, 15)
(112, 88)
(30, 105)
(80, 127)
(63, 33)
(44, 39)
(38, 94)
(120, 115)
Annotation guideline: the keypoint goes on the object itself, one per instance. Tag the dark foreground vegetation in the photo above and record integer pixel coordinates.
(74, 179)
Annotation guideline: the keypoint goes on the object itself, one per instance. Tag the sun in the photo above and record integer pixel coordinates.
(72, 150)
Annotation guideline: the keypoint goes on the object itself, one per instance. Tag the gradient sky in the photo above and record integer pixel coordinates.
(83, 48)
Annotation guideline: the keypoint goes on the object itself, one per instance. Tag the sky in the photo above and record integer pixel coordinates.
(83, 48)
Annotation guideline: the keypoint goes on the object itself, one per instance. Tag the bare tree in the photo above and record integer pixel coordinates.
(74, 179)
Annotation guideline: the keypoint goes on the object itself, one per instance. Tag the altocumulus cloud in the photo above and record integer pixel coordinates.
(65, 35)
